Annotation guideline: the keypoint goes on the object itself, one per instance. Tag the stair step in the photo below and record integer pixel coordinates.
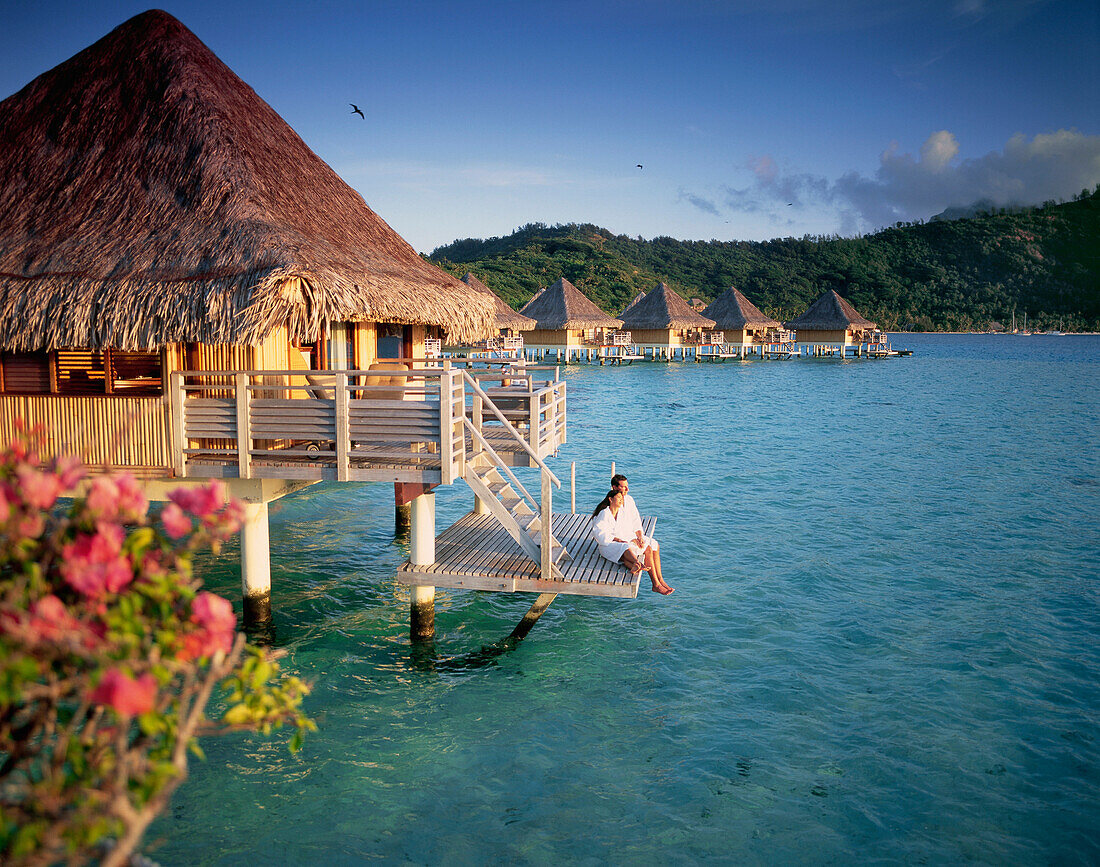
(529, 523)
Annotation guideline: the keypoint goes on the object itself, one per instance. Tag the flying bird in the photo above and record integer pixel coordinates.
(639, 165)
(355, 110)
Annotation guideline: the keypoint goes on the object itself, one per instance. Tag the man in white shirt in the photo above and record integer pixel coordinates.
(652, 551)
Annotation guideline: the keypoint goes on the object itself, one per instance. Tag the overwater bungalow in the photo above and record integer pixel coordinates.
(833, 328)
(188, 292)
(663, 325)
(569, 326)
(747, 331)
(507, 343)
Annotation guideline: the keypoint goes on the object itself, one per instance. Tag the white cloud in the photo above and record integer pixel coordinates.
(1057, 165)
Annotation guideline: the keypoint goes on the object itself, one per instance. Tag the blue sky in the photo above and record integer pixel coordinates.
(752, 120)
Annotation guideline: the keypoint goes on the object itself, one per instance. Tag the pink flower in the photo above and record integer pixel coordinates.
(31, 526)
(39, 489)
(51, 621)
(176, 523)
(5, 505)
(99, 505)
(132, 503)
(95, 565)
(116, 499)
(219, 625)
(127, 696)
(200, 501)
(69, 471)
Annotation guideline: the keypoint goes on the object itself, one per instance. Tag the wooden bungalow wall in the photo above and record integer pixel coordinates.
(805, 335)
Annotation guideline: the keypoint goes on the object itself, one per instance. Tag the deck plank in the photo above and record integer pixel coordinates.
(477, 553)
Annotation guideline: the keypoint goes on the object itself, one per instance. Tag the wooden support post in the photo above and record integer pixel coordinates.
(532, 616)
(256, 565)
(422, 553)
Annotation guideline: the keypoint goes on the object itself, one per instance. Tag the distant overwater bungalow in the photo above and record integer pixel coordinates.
(569, 326)
(833, 328)
(664, 326)
(189, 293)
(507, 343)
(746, 330)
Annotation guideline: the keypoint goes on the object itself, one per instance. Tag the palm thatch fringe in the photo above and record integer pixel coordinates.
(506, 317)
(732, 311)
(563, 305)
(830, 312)
(149, 196)
(663, 308)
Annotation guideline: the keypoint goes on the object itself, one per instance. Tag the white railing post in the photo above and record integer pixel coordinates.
(446, 426)
(244, 434)
(533, 434)
(546, 514)
(179, 431)
(343, 428)
(573, 488)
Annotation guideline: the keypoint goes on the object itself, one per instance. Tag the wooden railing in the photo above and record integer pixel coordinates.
(269, 424)
(535, 408)
(105, 432)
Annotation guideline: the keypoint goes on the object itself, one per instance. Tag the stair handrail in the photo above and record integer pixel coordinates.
(500, 463)
(507, 424)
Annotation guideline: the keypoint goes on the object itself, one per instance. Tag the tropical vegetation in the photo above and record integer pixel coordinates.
(965, 274)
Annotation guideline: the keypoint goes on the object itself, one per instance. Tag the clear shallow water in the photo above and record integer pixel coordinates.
(882, 646)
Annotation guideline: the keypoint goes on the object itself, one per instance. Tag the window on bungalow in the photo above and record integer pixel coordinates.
(25, 372)
(109, 371)
(340, 346)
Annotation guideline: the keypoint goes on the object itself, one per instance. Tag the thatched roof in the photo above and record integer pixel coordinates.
(830, 312)
(732, 311)
(663, 308)
(149, 196)
(506, 317)
(633, 301)
(563, 305)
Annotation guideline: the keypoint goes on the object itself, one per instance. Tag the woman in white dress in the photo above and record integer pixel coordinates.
(622, 543)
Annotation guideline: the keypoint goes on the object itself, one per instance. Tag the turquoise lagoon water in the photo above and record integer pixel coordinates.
(882, 646)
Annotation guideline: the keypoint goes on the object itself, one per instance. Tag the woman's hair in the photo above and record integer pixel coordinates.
(604, 503)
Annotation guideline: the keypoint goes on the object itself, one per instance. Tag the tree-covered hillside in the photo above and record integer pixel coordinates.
(953, 275)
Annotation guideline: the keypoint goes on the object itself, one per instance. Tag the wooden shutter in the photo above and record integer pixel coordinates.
(81, 371)
(26, 372)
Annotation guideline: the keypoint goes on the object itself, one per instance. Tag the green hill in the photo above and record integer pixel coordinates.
(955, 275)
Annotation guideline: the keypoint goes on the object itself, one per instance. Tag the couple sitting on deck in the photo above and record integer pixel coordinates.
(617, 527)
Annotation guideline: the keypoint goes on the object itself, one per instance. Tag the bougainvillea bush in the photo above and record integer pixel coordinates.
(109, 655)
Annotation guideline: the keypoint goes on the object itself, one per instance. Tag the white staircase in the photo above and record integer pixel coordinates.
(514, 509)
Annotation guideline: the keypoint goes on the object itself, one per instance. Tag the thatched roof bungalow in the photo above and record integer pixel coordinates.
(831, 320)
(156, 214)
(566, 321)
(663, 319)
(739, 319)
(506, 320)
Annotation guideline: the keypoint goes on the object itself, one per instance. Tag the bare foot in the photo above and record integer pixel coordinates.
(662, 588)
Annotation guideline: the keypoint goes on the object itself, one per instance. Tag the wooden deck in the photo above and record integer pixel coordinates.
(476, 553)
